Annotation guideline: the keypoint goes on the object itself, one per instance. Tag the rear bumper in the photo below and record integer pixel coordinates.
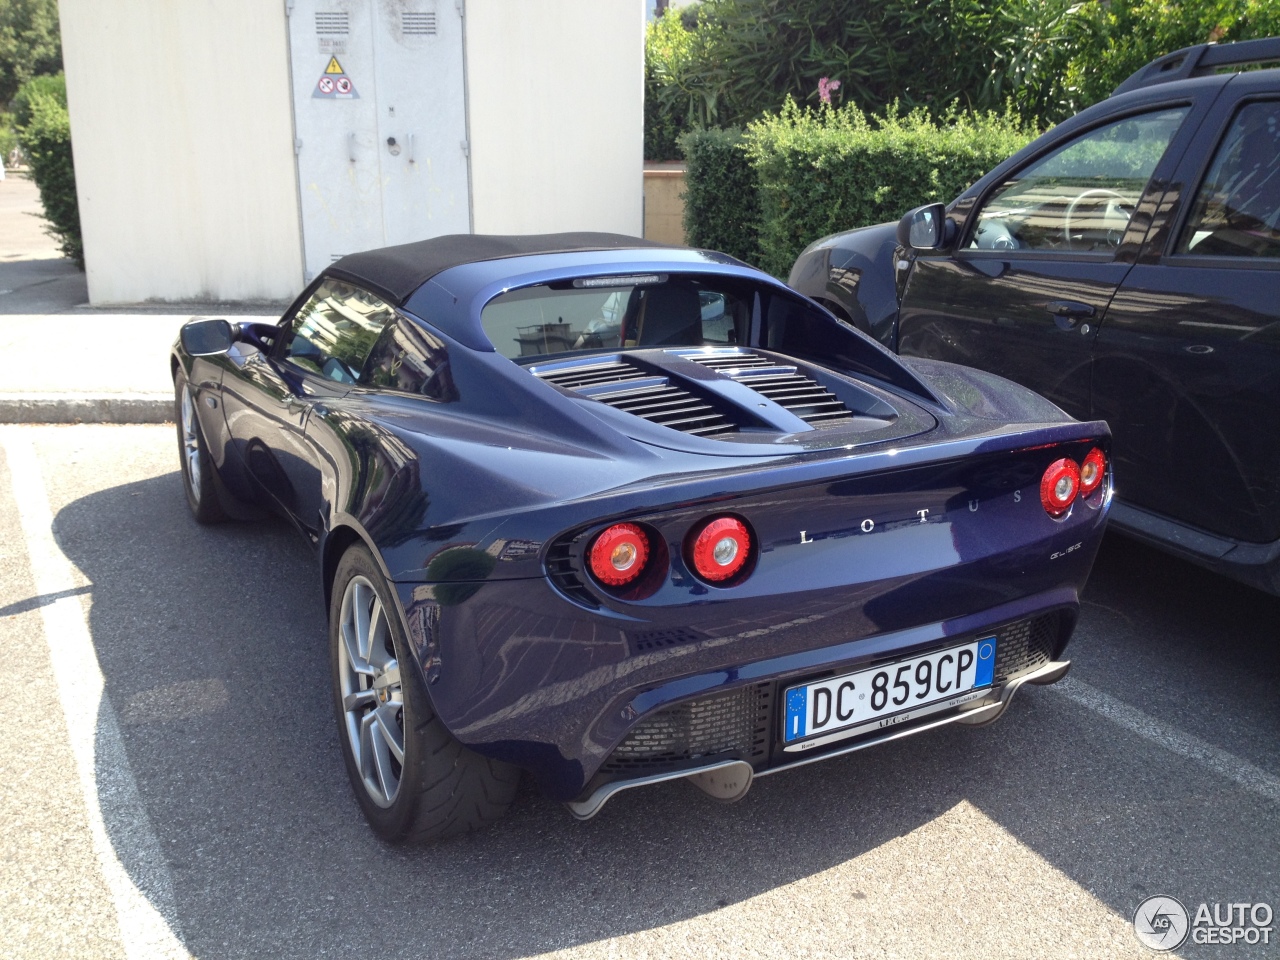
(569, 697)
(729, 780)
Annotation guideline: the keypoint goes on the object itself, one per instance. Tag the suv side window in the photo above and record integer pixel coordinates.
(1079, 198)
(1236, 212)
(335, 330)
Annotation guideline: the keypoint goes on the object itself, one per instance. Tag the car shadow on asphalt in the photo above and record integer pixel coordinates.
(212, 642)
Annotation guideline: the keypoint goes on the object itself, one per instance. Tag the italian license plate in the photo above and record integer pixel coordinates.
(880, 697)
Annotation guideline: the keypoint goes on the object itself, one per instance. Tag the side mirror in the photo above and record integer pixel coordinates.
(924, 228)
(208, 338)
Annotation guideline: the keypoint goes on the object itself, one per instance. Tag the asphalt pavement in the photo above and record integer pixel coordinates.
(171, 782)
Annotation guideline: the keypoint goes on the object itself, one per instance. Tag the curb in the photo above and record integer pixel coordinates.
(86, 408)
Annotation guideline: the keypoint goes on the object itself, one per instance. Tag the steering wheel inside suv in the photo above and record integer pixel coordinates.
(1116, 208)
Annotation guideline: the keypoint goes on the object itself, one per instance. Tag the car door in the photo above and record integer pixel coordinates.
(1034, 266)
(317, 358)
(1187, 369)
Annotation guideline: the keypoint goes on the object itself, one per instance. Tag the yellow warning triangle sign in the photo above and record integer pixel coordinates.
(334, 66)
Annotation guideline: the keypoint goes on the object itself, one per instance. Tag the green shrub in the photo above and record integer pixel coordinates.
(8, 137)
(721, 209)
(822, 171)
(45, 135)
(54, 85)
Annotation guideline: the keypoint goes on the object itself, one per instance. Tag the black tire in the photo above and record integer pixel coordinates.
(444, 789)
(202, 492)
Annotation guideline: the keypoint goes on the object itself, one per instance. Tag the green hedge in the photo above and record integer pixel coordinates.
(8, 137)
(721, 205)
(45, 134)
(823, 171)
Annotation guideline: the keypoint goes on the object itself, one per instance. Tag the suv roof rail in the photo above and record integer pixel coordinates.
(1200, 60)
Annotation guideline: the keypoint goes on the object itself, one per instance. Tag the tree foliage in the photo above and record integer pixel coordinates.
(728, 62)
(30, 45)
(672, 105)
(1110, 41)
(744, 57)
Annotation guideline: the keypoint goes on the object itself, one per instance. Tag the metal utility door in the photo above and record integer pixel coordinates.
(380, 123)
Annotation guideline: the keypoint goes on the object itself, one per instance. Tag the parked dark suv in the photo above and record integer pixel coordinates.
(1127, 266)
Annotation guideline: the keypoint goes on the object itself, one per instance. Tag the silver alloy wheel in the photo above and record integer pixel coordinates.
(190, 441)
(372, 698)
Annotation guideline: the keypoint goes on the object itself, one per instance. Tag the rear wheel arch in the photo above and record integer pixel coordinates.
(338, 542)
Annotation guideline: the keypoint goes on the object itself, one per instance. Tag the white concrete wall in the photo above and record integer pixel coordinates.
(556, 104)
(182, 131)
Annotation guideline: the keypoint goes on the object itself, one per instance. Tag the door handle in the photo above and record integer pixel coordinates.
(1068, 313)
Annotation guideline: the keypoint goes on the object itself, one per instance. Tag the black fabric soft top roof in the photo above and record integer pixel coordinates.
(400, 270)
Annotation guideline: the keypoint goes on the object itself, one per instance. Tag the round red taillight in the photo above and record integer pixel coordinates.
(1059, 486)
(1092, 470)
(721, 549)
(618, 555)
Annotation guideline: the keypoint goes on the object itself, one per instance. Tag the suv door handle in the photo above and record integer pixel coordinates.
(1068, 313)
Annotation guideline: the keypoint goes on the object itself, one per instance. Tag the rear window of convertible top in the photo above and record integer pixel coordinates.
(639, 311)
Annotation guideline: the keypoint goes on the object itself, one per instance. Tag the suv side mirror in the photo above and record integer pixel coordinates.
(925, 228)
(208, 338)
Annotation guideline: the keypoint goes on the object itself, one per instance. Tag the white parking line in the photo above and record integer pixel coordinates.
(142, 892)
(1243, 772)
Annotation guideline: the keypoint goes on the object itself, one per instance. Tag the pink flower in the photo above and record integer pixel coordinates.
(826, 88)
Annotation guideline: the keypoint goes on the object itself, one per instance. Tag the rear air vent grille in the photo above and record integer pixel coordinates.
(563, 573)
(731, 724)
(594, 374)
(782, 383)
(418, 24)
(652, 397)
(1025, 646)
(331, 24)
(726, 363)
(671, 406)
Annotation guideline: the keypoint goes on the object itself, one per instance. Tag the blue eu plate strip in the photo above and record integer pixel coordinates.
(797, 711)
(986, 672)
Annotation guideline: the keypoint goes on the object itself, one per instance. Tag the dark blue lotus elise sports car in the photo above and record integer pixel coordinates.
(612, 513)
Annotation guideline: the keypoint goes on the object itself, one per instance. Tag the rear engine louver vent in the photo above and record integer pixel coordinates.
(653, 397)
(783, 384)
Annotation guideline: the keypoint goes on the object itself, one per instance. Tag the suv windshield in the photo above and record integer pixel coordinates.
(649, 311)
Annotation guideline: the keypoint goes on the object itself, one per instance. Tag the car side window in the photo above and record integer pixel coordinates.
(1079, 198)
(409, 359)
(1236, 212)
(334, 332)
